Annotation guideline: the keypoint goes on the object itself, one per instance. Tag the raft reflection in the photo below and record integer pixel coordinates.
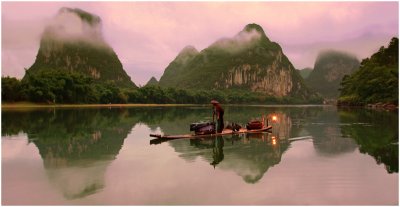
(78, 145)
(250, 156)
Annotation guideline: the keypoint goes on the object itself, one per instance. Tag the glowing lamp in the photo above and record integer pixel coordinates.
(274, 118)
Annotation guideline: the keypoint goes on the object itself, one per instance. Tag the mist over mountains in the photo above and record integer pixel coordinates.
(247, 64)
(248, 61)
(73, 41)
(329, 69)
(318, 26)
(72, 25)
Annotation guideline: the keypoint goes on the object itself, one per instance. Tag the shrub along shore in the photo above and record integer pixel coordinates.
(22, 105)
(64, 87)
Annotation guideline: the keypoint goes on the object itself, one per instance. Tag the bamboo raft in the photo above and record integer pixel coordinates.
(224, 132)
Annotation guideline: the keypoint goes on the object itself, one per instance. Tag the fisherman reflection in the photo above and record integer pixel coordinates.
(218, 152)
(234, 138)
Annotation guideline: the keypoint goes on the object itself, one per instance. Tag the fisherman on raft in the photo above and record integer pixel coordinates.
(218, 111)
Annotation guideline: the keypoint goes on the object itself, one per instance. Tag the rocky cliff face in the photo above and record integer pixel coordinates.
(259, 78)
(73, 41)
(249, 61)
(329, 69)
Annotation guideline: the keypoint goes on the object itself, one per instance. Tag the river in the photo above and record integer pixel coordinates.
(315, 155)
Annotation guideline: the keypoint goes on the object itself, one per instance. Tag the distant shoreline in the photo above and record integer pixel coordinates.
(35, 105)
(22, 105)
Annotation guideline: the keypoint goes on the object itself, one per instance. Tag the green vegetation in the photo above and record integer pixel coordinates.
(98, 61)
(176, 67)
(375, 81)
(381, 144)
(60, 86)
(73, 139)
(152, 82)
(249, 53)
(329, 69)
(89, 54)
(11, 89)
(304, 73)
(83, 72)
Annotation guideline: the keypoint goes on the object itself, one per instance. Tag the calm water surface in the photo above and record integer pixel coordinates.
(104, 156)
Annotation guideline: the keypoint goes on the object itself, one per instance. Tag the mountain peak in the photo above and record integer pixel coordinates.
(334, 54)
(189, 50)
(186, 54)
(72, 25)
(253, 26)
(73, 41)
(251, 35)
(329, 69)
(84, 15)
(152, 82)
(247, 61)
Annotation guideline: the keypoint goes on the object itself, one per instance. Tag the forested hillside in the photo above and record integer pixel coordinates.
(377, 80)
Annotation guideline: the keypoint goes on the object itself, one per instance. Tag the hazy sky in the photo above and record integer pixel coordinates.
(147, 36)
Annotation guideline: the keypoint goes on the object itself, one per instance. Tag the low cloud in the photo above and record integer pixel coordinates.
(67, 25)
(245, 37)
(305, 55)
(239, 42)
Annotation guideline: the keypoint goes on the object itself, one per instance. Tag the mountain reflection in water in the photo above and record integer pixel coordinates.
(78, 145)
(250, 156)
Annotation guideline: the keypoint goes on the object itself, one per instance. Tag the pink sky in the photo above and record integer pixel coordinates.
(147, 36)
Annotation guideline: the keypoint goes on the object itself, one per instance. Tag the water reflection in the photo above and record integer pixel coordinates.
(218, 150)
(324, 124)
(376, 134)
(325, 127)
(249, 156)
(77, 146)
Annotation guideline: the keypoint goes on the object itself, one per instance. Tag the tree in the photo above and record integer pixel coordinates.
(375, 81)
(11, 89)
